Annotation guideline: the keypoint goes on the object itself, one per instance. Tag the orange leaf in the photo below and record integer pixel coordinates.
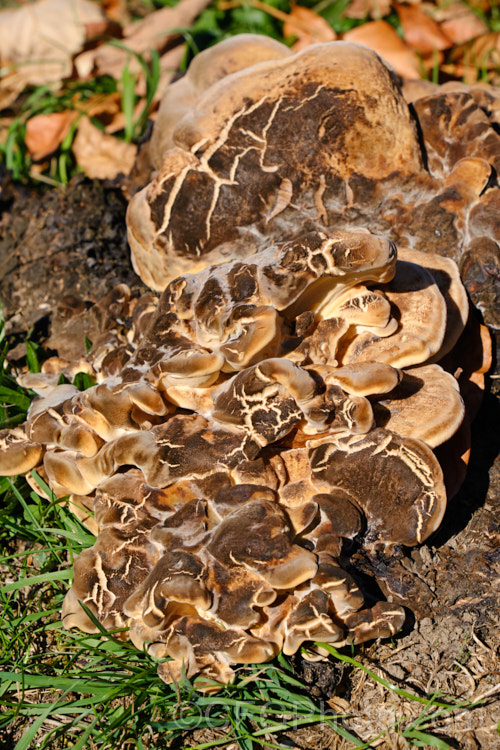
(116, 10)
(363, 8)
(103, 106)
(45, 133)
(459, 23)
(101, 156)
(421, 32)
(383, 38)
(483, 52)
(308, 27)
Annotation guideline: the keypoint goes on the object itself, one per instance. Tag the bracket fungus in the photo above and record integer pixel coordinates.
(279, 403)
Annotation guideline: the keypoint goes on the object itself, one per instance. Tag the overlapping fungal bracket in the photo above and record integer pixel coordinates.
(270, 411)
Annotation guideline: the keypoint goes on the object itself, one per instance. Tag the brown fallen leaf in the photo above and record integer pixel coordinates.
(155, 31)
(459, 22)
(421, 32)
(482, 53)
(385, 41)
(103, 106)
(11, 85)
(101, 156)
(38, 40)
(116, 10)
(375, 9)
(46, 132)
(308, 27)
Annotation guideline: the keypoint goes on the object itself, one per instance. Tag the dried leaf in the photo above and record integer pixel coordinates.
(460, 23)
(45, 133)
(103, 106)
(11, 86)
(421, 32)
(383, 38)
(308, 27)
(38, 40)
(116, 10)
(5, 123)
(101, 156)
(154, 32)
(368, 9)
(482, 53)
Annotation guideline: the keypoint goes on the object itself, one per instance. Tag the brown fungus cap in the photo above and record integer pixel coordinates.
(265, 545)
(18, 454)
(383, 620)
(309, 620)
(357, 310)
(208, 67)
(184, 445)
(203, 645)
(426, 405)
(233, 153)
(446, 274)
(362, 378)
(396, 481)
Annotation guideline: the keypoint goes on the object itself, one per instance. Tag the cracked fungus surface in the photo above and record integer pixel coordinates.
(306, 380)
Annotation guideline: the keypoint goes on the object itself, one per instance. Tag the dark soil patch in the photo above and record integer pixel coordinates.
(57, 243)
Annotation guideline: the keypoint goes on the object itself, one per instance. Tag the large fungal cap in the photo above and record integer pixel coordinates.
(396, 481)
(426, 405)
(383, 620)
(265, 399)
(258, 536)
(446, 275)
(309, 619)
(357, 310)
(183, 446)
(199, 644)
(362, 378)
(248, 150)
(208, 67)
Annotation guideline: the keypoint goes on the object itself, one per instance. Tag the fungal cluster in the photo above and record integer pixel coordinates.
(281, 401)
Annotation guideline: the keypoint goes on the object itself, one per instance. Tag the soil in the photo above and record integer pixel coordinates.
(73, 242)
(59, 243)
